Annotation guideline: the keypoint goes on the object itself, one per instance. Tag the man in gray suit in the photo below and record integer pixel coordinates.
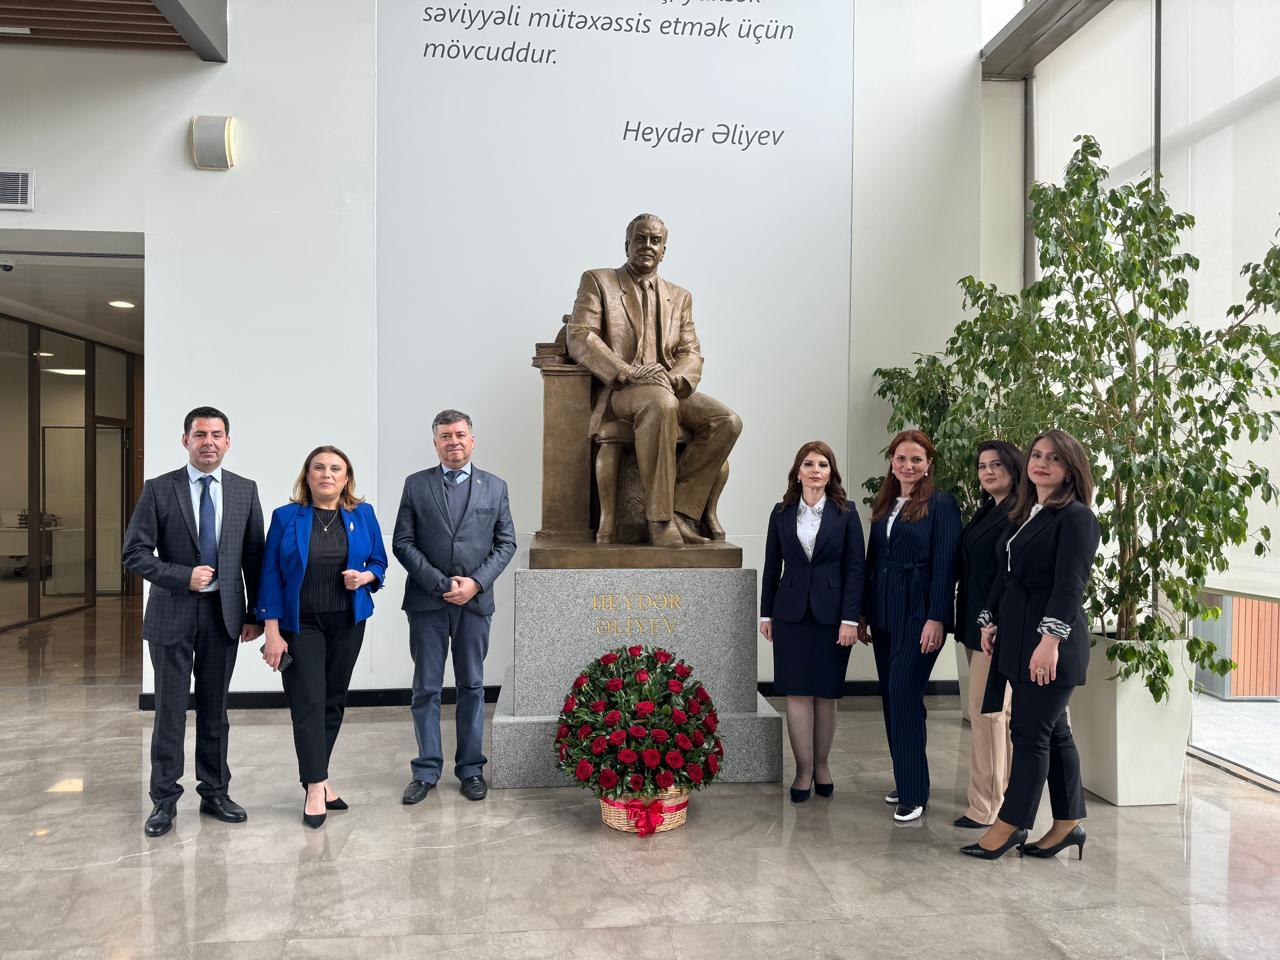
(454, 535)
(196, 537)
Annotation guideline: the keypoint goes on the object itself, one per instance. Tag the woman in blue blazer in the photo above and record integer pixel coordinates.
(810, 599)
(323, 559)
(910, 597)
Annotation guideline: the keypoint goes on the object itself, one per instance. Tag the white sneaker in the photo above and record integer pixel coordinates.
(904, 813)
(892, 797)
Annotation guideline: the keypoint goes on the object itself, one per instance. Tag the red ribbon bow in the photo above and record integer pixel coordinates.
(648, 817)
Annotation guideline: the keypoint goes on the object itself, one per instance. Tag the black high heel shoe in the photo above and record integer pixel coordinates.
(1075, 838)
(824, 789)
(800, 796)
(312, 820)
(337, 803)
(1016, 839)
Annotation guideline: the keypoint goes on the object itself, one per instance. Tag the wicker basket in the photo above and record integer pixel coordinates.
(616, 816)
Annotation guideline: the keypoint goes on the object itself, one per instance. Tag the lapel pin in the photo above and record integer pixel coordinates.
(351, 525)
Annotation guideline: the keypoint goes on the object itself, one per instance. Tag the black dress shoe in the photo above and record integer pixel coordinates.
(824, 789)
(313, 820)
(416, 791)
(799, 796)
(968, 823)
(337, 803)
(474, 788)
(160, 821)
(1016, 839)
(1075, 838)
(224, 808)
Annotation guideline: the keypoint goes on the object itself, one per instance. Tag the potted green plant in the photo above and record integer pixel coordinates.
(1102, 345)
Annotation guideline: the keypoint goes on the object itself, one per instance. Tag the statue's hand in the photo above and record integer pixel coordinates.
(651, 375)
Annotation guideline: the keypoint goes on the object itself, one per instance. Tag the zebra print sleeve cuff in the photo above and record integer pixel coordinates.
(985, 619)
(1055, 627)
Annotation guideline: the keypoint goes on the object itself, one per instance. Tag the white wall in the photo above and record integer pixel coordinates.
(261, 281)
(917, 147)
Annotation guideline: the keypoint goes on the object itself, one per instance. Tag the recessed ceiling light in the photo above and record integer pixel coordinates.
(65, 371)
(120, 304)
(40, 353)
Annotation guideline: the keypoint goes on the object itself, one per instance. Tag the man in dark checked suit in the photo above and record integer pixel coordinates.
(454, 535)
(196, 537)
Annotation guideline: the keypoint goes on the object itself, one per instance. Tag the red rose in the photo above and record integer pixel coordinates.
(679, 716)
(697, 738)
(584, 770)
(607, 659)
(720, 747)
(651, 758)
(564, 750)
(642, 676)
(608, 779)
(580, 682)
(613, 684)
(570, 704)
(693, 706)
(618, 737)
(675, 686)
(662, 656)
(693, 770)
(562, 731)
(710, 723)
(683, 742)
(612, 718)
(713, 764)
(660, 736)
(635, 783)
(664, 779)
(599, 745)
(634, 651)
(627, 756)
(702, 695)
(637, 732)
(683, 670)
(644, 708)
(584, 731)
(597, 706)
(675, 759)
(714, 716)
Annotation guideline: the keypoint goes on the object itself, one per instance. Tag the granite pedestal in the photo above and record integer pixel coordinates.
(566, 618)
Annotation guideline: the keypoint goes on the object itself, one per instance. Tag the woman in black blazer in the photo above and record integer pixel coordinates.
(1035, 623)
(810, 600)
(1000, 469)
(909, 597)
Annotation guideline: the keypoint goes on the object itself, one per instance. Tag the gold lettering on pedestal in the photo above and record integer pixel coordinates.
(634, 603)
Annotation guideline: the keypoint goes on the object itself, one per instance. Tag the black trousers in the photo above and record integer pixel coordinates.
(213, 655)
(1043, 750)
(903, 670)
(324, 652)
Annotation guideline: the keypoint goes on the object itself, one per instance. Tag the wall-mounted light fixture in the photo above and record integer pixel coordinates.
(213, 142)
(120, 304)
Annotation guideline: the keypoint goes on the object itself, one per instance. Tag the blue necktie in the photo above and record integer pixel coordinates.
(208, 526)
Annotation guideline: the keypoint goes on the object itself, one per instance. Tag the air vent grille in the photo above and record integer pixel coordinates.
(17, 190)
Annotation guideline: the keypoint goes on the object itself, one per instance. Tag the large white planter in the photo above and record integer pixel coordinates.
(1132, 750)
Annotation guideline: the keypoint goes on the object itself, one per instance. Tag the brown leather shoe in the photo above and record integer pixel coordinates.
(689, 530)
(663, 533)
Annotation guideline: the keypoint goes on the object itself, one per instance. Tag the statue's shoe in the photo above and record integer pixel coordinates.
(688, 530)
(663, 533)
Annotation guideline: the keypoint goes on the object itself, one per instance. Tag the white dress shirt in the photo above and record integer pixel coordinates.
(215, 493)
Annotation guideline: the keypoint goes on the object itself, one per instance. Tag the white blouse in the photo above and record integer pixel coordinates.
(893, 515)
(808, 520)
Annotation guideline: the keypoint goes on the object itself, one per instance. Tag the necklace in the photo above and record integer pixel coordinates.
(324, 527)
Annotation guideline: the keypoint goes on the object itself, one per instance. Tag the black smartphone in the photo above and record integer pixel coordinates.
(285, 659)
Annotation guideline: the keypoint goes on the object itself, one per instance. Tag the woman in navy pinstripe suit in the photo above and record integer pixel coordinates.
(810, 597)
(910, 596)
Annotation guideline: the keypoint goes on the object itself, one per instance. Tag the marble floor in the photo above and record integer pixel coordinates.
(533, 874)
(1245, 732)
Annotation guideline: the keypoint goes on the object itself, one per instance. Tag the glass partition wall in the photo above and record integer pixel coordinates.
(66, 408)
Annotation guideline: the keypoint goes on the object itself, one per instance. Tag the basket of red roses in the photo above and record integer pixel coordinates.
(639, 731)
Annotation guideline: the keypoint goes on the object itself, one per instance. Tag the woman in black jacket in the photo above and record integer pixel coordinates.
(1000, 468)
(1035, 627)
(910, 596)
(810, 600)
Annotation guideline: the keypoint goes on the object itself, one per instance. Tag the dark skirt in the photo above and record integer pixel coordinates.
(807, 661)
